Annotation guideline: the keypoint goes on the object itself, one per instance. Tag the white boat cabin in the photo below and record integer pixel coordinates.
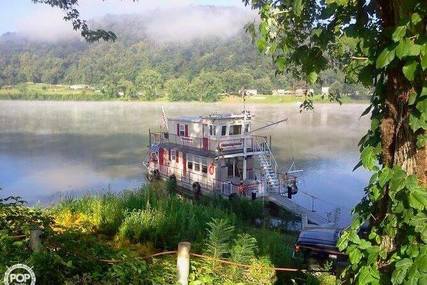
(215, 153)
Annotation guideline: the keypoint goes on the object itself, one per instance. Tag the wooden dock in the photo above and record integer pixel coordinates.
(288, 204)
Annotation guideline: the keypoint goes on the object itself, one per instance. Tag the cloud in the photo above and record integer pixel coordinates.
(188, 23)
(164, 21)
(46, 24)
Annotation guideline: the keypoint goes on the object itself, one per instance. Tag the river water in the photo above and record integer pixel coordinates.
(50, 150)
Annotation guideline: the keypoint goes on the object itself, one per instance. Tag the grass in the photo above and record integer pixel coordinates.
(153, 219)
(155, 215)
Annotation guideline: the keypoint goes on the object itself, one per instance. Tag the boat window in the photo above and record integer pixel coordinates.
(204, 165)
(181, 130)
(230, 172)
(235, 130)
(212, 130)
(223, 130)
(190, 165)
(247, 128)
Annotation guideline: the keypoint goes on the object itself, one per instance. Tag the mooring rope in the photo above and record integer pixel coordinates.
(224, 261)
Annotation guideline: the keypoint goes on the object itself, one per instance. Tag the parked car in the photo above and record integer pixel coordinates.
(319, 244)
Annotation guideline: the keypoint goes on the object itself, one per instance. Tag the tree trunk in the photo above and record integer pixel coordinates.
(397, 139)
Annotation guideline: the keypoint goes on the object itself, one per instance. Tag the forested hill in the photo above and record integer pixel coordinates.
(154, 52)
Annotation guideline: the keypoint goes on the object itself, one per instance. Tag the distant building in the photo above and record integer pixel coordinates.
(251, 92)
(80, 87)
(278, 92)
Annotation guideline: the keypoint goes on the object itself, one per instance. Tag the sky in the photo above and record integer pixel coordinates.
(24, 15)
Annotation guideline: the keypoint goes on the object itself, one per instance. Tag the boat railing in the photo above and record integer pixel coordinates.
(225, 143)
(264, 147)
(225, 188)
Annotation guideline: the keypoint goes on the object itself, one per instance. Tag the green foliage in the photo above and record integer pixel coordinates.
(208, 86)
(17, 219)
(244, 248)
(380, 44)
(132, 271)
(114, 67)
(117, 228)
(234, 81)
(179, 90)
(149, 82)
(219, 238)
(142, 225)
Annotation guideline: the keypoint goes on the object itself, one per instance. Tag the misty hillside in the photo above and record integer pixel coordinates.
(186, 53)
(175, 43)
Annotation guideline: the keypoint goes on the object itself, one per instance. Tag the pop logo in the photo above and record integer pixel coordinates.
(19, 274)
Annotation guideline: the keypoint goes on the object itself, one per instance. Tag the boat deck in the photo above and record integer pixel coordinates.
(288, 204)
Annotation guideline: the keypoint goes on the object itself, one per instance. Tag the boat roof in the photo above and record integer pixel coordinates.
(211, 117)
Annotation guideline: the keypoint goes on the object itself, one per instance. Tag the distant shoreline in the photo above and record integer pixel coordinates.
(257, 99)
(47, 92)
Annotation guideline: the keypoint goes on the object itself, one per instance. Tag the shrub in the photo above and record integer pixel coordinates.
(142, 225)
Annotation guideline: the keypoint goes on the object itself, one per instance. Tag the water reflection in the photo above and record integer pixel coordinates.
(60, 147)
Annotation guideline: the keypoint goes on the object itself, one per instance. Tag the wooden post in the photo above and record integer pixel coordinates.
(149, 137)
(183, 262)
(35, 240)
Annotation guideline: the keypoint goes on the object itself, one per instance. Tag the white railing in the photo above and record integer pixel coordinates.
(226, 143)
(264, 147)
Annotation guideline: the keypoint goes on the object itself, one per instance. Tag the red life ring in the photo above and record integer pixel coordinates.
(211, 169)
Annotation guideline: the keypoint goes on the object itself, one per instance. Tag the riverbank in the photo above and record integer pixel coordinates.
(46, 92)
(96, 239)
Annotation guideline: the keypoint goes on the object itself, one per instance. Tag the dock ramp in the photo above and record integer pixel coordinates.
(291, 206)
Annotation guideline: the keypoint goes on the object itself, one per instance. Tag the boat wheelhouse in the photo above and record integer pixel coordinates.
(216, 153)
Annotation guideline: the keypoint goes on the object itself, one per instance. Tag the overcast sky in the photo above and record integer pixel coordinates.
(18, 15)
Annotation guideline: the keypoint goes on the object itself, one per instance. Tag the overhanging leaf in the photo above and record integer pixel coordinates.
(385, 57)
(416, 18)
(401, 268)
(406, 47)
(385, 176)
(354, 255)
(399, 33)
(298, 6)
(416, 123)
(368, 157)
(409, 69)
(421, 141)
(366, 276)
(417, 198)
(397, 181)
(423, 56)
(312, 77)
(412, 98)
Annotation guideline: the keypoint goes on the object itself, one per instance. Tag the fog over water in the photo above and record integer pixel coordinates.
(52, 149)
